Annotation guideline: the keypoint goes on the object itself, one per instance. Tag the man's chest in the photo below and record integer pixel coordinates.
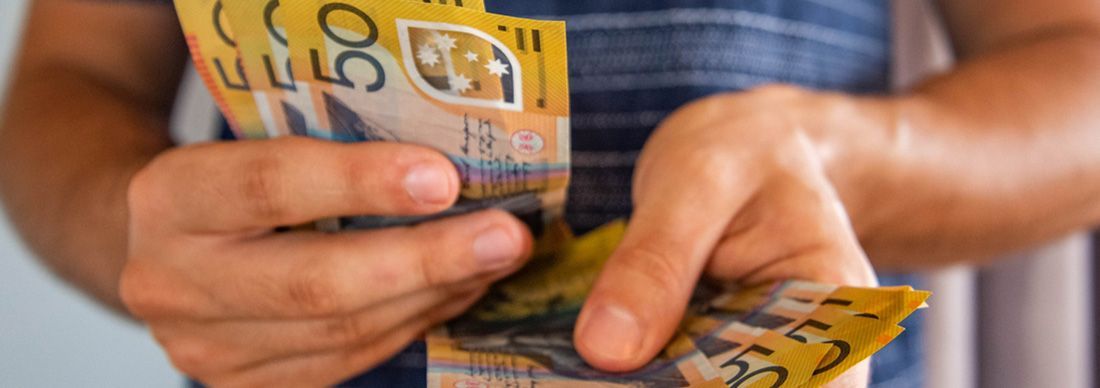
(713, 45)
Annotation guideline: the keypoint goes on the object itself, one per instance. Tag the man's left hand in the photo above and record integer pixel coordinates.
(729, 186)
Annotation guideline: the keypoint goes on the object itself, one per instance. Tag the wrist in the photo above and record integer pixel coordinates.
(859, 140)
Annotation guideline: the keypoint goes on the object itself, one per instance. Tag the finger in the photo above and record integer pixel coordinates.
(237, 186)
(262, 341)
(321, 370)
(330, 368)
(644, 288)
(803, 234)
(307, 274)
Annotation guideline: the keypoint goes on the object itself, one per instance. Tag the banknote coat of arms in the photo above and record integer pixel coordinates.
(461, 65)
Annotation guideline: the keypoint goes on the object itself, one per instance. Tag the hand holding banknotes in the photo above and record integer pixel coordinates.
(235, 303)
(727, 187)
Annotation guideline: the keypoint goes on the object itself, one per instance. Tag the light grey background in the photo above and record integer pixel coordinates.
(50, 335)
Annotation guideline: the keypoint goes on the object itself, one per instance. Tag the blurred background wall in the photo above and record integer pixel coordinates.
(1025, 322)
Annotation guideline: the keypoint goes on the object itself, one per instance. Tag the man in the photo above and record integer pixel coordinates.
(995, 156)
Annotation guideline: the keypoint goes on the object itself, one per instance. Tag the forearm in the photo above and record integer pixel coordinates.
(998, 155)
(69, 143)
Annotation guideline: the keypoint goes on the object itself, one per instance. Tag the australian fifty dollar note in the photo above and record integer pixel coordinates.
(242, 48)
(214, 51)
(228, 56)
(260, 32)
(489, 91)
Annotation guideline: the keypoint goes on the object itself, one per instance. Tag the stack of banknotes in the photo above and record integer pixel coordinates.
(491, 92)
(784, 334)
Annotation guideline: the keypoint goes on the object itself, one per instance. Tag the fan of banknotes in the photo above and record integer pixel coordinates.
(784, 334)
(491, 92)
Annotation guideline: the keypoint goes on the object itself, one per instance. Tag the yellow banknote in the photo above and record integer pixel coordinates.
(852, 338)
(213, 49)
(891, 304)
(749, 356)
(552, 283)
(489, 91)
(262, 41)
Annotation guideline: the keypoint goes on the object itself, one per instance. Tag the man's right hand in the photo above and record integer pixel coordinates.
(234, 303)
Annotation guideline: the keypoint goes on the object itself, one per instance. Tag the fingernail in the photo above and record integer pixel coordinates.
(495, 249)
(612, 333)
(428, 185)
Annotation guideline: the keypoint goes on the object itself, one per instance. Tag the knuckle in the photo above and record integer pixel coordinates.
(141, 194)
(313, 292)
(459, 306)
(375, 185)
(656, 264)
(434, 254)
(717, 158)
(192, 357)
(349, 330)
(137, 291)
(431, 274)
(262, 189)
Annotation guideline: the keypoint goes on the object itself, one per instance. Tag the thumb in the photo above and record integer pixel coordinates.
(641, 295)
